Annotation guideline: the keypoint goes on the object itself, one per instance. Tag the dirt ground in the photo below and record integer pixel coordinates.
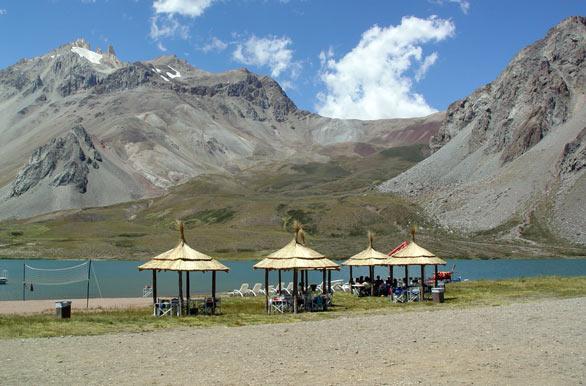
(528, 343)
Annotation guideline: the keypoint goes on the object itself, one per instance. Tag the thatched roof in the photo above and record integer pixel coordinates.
(295, 255)
(183, 258)
(413, 254)
(368, 257)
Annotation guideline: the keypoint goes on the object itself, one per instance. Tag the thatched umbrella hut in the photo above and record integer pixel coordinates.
(183, 258)
(297, 257)
(413, 254)
(367, 258)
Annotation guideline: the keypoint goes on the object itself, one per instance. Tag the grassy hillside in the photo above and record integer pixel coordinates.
(248, 216)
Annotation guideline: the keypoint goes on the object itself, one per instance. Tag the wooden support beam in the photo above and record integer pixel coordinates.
(214, 291)
(302, 281)
(180, 292)
(435, 275)
(392, 279)
(329, 281)
(214, 285)
(267, 290)
(422, 284)
(154, 286)
(187, 291)
(371, 280)
(280, 289)
(350, 280)
(406, 276)
(295, 300)
(324, 284)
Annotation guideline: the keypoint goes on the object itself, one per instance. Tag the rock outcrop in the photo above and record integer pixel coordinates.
(511, 144)
(64, 160)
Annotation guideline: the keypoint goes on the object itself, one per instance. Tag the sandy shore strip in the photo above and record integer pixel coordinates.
(533, 343)
(39, 306)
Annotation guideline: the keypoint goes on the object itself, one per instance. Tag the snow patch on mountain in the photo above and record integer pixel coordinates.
(91, 56)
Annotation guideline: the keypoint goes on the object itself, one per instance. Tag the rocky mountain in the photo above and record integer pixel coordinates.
(83, 128)
(514, 148)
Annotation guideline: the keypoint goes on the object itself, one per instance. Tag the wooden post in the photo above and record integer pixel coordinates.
(180, 292)
(329, 281)
(371, 280)
(280, 289)
(422, 284)
(267, 290)
(406, 276)
(154, 286)
(187, 291)
(324, 284)
(214, 285)
(306, 280)
(295, 290)
(302, 280)
(213, 292)
(350, 281)
(392, 279)
(435, 274)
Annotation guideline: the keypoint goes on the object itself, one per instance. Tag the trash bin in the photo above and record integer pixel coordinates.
(437, 294)
(63, 309)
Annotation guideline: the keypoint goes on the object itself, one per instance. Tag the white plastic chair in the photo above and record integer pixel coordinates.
(289, 288)
(257, 289)
(243, 291)
(337, 285)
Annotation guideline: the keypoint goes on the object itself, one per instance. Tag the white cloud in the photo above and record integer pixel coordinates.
(427, 62)
(373, 81)
(165, 23)
(161, 47)
(214, 44)
(272, 52)
(463, 4)
(167, 26)
(3, 12)
(190, 8)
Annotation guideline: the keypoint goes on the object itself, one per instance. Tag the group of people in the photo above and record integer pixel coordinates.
(363, 285)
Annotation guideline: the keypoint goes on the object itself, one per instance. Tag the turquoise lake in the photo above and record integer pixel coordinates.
(122, 279)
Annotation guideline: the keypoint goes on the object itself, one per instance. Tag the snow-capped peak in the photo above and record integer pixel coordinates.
(92, 56)
(176, 74)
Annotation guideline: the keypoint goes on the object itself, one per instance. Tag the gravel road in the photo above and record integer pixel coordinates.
(528, 343)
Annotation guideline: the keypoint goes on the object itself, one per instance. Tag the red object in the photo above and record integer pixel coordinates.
(443, 275)
(403, 245)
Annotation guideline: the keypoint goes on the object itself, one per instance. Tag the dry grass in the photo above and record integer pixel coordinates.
(247, 311)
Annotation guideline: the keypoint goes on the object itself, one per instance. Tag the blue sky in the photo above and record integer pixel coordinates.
(353, 59)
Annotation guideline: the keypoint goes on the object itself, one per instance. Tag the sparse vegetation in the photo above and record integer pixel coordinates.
(246, 311)
(248, 216)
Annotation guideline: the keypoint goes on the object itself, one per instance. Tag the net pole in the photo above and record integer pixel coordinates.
(87, 298)
(23, 279)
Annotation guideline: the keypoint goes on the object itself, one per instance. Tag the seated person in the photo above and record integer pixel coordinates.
(378, 282)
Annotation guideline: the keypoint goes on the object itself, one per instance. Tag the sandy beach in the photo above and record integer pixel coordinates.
(528, 343)
(40, 306)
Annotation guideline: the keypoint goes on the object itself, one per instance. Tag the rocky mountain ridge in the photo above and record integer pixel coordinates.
(513, 146)
(75, 154)
(155, 124)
